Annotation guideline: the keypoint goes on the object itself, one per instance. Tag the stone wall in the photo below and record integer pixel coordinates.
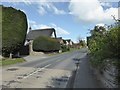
(31, 52)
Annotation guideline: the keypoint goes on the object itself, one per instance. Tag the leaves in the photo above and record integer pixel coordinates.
(14, 28)
(103, 44)
(45, 44)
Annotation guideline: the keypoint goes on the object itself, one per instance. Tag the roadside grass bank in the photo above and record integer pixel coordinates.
(8, 61)
(71, 50)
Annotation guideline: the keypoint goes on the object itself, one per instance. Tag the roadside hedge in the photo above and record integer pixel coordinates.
(46, 44)
(104, 46)
(14, 28)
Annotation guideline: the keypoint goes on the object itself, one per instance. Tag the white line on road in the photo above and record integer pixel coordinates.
(37, 70)
(47, 65)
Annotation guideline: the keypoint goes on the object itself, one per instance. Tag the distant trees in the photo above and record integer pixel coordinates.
(81, 42)
(46, 44)
(14, 28)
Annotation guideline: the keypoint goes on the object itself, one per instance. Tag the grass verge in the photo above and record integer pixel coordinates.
(8, 61)
(71, 50)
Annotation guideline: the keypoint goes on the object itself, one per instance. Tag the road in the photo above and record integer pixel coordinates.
(62, 61)
(54, 71)
(85, 78)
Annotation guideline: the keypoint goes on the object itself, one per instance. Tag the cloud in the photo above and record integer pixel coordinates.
(105, 4)
(42, 26)
(92, 11)
(45, 7)
(35, 25)
(109, 0)
(59, 30)
(57, 11)
(100, 24)
(28, 2)
(41, 10)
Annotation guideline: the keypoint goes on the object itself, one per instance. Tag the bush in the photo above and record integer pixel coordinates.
(14, 28)
(46, 44)
(104, 45)
(64, 48)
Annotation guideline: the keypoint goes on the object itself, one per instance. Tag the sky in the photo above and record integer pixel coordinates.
(71, 19)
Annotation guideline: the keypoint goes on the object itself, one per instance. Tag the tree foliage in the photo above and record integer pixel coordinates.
(82, 43)
(103, 44)
(14, 28)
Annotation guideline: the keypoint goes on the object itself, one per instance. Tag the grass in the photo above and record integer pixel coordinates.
(51, 54)
(71, 50)
(8, 61)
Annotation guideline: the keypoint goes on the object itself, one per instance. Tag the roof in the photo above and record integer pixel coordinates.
(39, 32)
(68, 40)
(59, 38)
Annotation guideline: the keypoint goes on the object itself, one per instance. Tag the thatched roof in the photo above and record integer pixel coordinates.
(40, 32)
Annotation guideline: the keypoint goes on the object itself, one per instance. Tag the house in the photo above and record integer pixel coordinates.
(76, 45)
(68, 42)
(33, 34)
(61, 41)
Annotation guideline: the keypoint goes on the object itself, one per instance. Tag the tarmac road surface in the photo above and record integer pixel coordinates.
(53, 71)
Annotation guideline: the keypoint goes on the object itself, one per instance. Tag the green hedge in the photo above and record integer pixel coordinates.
(46, 44)
(14, 28)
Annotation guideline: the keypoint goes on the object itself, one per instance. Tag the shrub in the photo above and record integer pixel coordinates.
(64, 48)
(46, 44)
(14, 28)
(104, 45)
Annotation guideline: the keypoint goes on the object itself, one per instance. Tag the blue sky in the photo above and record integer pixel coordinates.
(70, 19)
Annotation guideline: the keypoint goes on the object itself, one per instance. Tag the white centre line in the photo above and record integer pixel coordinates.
(37, 71)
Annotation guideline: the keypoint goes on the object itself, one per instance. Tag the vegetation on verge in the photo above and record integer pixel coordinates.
(7, 61)
(104, 47)
(103, 44)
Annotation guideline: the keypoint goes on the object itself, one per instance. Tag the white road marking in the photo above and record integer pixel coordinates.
(37, 70)
(47, 65)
